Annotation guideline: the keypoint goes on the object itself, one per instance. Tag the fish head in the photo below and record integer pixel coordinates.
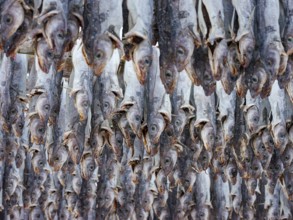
(20, 157)
(252, 118)
(43, 106)
(141, 214)
(228, 80)
(35, 195)
(204, 160)
(208, 136)
(103, 50)
(179, 122)
(77, 184)
(189, 180)
(126, 212)
(36, 213)
(72, 33)
(112, 168)
(147, 200)
(203, 212)
(208, 82)
(257, 81)
(38, 163)
(134, 117)
(220, 57)
(2, 152)
(280, 136)
(87, 167)
(231, 172)
(59, 158)
(82, 104)
(11, 19)
(74, 148)
(18, 125)
(228, 127)
(255, 168)
(288, 44)
(108, 198)
(56, 34)
(46, 56)
(11, 185)
(142, 60)
(108, 104)
(168, 74)
(169, 160)
(37, 129)
(234, 60)
(268, 141)
(184, 50)
(156, 126)
(287, 156)
(272, 60)
(246, 48)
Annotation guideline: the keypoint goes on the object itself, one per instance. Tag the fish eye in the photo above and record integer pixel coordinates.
(13, 111)
(168, 74)
(177, 122)
(167, 160)
(60, 35)
(85, 103)
(41, 130)
(153, 128)
(41, 163)
(47, 106)
(137, 117)
(270, 62)
(247, 160)
(287, 157)
(8, 19)
(262, 146)
(180, 51)
(106, 104)
(254, 79)
(255, 119)
(147, 61)
(57, 159)
(20, 125)
(99, 55)
(50, 54)
(255, 168)
(91, 167)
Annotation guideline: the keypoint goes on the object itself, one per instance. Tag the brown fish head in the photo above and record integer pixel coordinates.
(258, 146)
(288, 44)
(37, 129)
(184, 49)
(43, 106)
(208, 136)
(168, 74)
(134, 117)
(87, 166)
(12, 16)
(283, 80)
(56, 34)
(246, 48)
(59, 158)
(38, 163)
(252, 117)
(189, 180)
(11, 150)
(82, 104)
(234, 60)
(142, 59)
(103, 50)
(156, 126)
(280, 136)
(287, 156)
(74, 147)
(35, 195)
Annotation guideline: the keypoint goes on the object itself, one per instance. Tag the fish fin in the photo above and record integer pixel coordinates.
(137, 34)
(115, 40)
(79, 17)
